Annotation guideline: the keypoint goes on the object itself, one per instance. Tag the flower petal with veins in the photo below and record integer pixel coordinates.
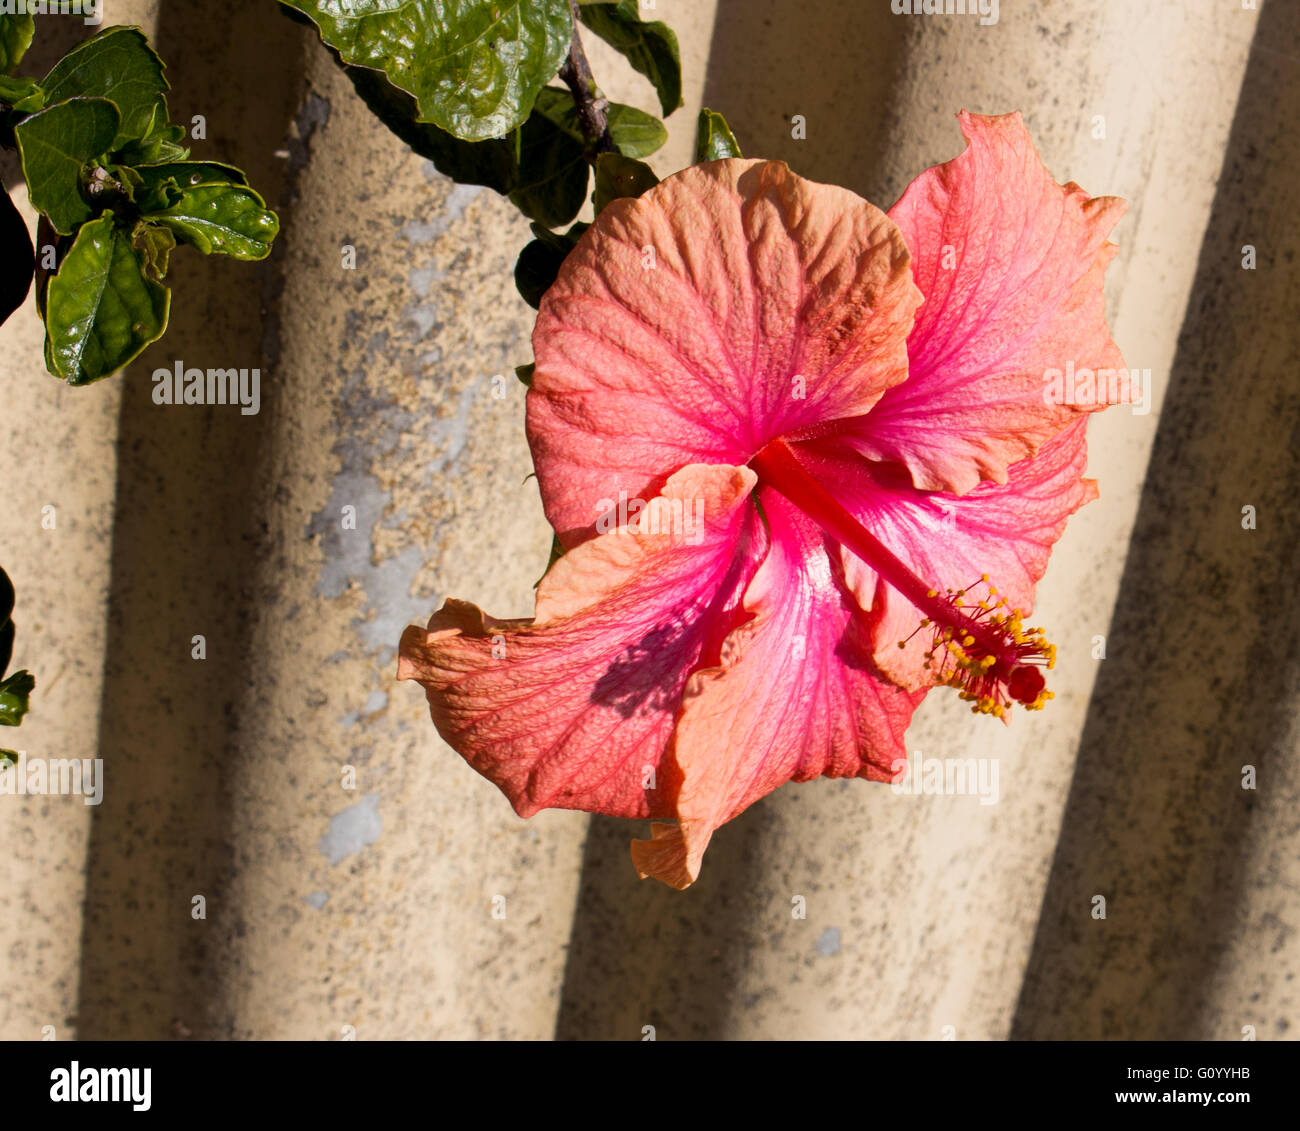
(745, 337)
(795, 697)
(731, 303)
(572, 709)
(1011, 266)
(1004, 530)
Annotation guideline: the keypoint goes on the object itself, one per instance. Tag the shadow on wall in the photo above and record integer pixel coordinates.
(1201, 676)
(186, 552)
(642, 954)
(833, 65)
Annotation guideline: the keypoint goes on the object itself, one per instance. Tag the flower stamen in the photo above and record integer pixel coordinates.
(982, 648)
(988, 654)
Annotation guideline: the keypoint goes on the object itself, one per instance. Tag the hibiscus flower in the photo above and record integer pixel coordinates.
(805, 467)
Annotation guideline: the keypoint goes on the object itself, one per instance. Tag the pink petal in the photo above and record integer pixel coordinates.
(577, 706)
(1004, 530)
(795, 697)
(679, 324)
(1024, 296)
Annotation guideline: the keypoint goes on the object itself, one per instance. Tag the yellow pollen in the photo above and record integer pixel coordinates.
(989, 667)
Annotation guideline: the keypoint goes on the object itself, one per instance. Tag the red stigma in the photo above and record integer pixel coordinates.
(982, 649)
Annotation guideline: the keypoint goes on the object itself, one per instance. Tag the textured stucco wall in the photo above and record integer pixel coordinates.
(1203, 936)
(57, 449)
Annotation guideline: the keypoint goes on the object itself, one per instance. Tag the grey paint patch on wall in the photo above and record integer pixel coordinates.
(351, 830)
(458, 199)
(377, 426)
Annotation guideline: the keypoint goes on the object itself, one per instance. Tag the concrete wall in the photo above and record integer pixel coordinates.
(372, 906)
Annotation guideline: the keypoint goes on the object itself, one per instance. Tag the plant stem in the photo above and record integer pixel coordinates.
(587, 98)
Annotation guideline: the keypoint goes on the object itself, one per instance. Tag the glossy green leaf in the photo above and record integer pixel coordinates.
(651, 48)
(541, 167)
(21, 94)
(535, 270)
(56, 145)
(17, 262)
(101, 310)
(491, 163)
(118, 64)
(15, 37)
(155, 245)
(539, 263)
(226, 218)
(14, 694)
(713, 138)
(553, 173)
(474, 66)
(633, 131)
(161, 142)
(523, 372)
(618, 176)
(161, 186)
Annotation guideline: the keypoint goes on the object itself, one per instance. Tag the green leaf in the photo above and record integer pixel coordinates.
(101, 310)
(15, 37)
(118, 64)
(540, 262)
(713, 138)
(226, 218)
(553, 173)
(491, 163)
(535, 270)
(161, 186)
(523, 372)
(651, 48)
(155, 245)
(17, 262)
(56, 145)
(161, 143)
(14, 693)
(474, 66)
(633, 131)
(21, 94)
(557, 552)
(618, 176)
